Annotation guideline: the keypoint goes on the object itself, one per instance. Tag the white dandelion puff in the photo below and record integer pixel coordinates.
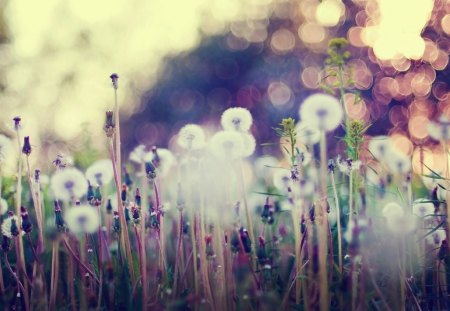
(307, 133)
(139, 154)
(347, 166)
(402, 225)
(393, 210)
(264, 166)
(398, 163)
(100, 173)
(380, 146)
(227, 145)
(282, 179)
(82, 219)
(322, 111)
(191, 136)
(68, 184)
(440, 130)
(236, 119)
(6, 148)
(3, 206)
(7, 225)
(423, 207)
(249, 144)
(164, 160)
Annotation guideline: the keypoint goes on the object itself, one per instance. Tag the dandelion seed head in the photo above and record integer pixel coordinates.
(322, 111)
(348, 165)
(82, 219)
(166, 160)
(422, 207)
(139, 154)
(380, 146)
(3, 206)
(6, 149)
(440, 130)
(191, 136)
(9, 225)
(236, 119)
(398, 163)
(263, 166)
(68, 184)
(282, 179)
(100, 173)
(307, 133)
(227, 145)
(392, 210)
(249, 144)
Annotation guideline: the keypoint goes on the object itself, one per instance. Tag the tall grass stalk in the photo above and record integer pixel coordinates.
(143, 258)
(20, 254)
(322, 226)
(338, 220)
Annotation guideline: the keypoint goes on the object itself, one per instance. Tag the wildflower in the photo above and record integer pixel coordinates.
(101, 172)
(109, 206)
(90, 192)
(82, 219)
(17, 120)
(26, 149)
(267, 213)
(127, 178)
(110, 125)
(227, 145)
(10, 226)
(348, 165)
(68, 184)
(236, 119)
(331, 165)
(6, 148)
(136, 214)
(27, 227)
(380, 146)
(307, 133)
(192, 137)
(398, 163)
(423, 208)
(3, 206)
(322, 111)
(115, 80)
(59, 163)
(162, 159)
(440, 130)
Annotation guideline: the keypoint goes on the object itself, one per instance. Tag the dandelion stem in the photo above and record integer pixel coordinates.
(88, 270)
(338, 216)
(37, 208)
(322, 226)
(124, 238)
(27, 307)
(142, 244)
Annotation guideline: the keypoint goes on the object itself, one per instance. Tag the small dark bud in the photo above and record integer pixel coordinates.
(331, 165)
(127, 178)
(98, 195)
(156, 159)
(443, 250)
(127, 214)
(26, 149)
(90, 192)
(115, 80)
(136, 214)
(124, 193)
(17, 122)
(37, 175)
(109, 124)
(6, 244)
(59, 220)
(109, 207)
(137, 197)
(116, 223)
(27, 226)
(245, 238)
(150, 170)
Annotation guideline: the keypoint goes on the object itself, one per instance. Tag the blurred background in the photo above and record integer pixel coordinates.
(187, 61)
